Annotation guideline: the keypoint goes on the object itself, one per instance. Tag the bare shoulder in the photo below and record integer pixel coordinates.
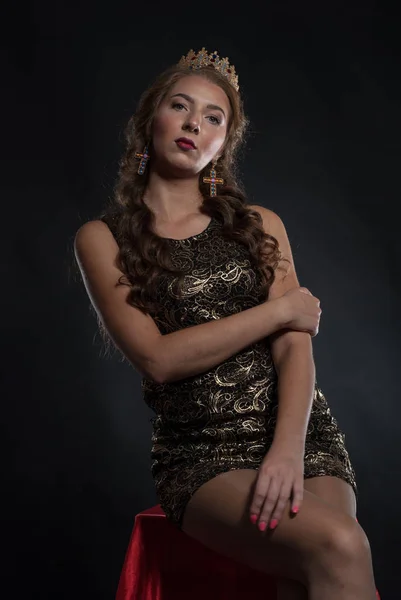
(134, 333)
(284, 281)
(286, 278)
(91, 226)
(91, 233)
(93, 243)
(272, 223)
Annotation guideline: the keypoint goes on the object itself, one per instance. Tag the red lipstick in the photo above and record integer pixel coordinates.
(185, 143)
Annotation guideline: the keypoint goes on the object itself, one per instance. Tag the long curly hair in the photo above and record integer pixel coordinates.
(144, 256)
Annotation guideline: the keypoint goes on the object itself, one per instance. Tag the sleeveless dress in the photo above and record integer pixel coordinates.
(224, 418)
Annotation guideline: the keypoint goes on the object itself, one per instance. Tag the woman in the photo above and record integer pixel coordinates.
(198, 290)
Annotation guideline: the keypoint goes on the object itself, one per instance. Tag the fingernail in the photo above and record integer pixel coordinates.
(273, 523)
(254, 518)
(295, 509)
(262, 526)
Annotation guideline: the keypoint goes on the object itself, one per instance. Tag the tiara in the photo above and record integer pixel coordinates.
(203, 59)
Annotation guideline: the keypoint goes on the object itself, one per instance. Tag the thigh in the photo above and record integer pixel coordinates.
(335, 491)
(218, 516)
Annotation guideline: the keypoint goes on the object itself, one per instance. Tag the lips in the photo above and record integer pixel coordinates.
(186, 143)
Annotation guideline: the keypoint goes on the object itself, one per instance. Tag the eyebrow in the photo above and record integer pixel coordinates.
(212, 106)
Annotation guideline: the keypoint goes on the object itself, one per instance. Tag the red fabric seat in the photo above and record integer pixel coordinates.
(163, 563)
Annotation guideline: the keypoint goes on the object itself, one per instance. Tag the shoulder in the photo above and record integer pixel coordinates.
(92, 229)
(273, 225)
(93, 236)
(271, 221)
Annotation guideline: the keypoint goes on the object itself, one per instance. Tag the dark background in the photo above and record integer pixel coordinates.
(322, 89)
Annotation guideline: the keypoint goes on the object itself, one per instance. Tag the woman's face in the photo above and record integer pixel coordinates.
(198, 110)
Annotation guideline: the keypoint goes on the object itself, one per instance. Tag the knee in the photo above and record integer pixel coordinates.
(345, 543)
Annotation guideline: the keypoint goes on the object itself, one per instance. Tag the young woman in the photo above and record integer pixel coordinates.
(198, 290)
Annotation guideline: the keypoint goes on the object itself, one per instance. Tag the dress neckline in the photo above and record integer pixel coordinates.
(192, 237)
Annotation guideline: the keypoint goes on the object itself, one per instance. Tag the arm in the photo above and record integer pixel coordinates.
(162, 358)
(291, 351)
(196, 349)
(296, 382)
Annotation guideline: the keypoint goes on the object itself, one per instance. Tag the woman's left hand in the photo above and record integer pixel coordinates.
(280, 479)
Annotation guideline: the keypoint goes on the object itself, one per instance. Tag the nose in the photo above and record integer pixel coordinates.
(192, 124)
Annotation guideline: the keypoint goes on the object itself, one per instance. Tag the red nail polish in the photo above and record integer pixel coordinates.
(262, 526)
(273, 523)
(295, 509)
(254, 518)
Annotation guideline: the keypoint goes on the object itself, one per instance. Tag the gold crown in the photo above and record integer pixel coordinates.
(203, 59)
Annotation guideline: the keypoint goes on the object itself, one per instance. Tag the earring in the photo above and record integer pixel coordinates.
(213, 180)
(144, 156)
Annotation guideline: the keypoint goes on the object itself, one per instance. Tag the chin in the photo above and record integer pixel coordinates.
(180, 166)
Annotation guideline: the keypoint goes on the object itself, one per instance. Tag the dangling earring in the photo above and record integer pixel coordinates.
(144, 156)
(213, 180)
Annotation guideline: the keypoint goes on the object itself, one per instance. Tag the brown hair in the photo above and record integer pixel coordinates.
(143, 255)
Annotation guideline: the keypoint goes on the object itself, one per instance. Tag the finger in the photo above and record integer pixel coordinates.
(298, 496)
(283, 498)
(269, 503)
(261, 488)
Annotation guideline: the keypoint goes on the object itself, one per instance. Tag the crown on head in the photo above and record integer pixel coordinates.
(201, 59)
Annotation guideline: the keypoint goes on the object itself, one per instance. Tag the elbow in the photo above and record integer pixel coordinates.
(158, 376)
(153, 364)
(163, 366)
(161, 372)
(148, 368)
(156, 371)
(153, 372)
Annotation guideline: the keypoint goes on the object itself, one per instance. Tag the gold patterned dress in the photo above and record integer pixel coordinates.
(224, 418)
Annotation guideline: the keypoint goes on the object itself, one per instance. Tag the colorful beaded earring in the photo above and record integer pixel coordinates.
(144, 156)
(213, 180)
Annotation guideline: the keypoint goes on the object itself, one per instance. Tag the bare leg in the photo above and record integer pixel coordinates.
(338, 494)
(323, 548)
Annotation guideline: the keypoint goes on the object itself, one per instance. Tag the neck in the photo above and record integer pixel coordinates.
(171, 200)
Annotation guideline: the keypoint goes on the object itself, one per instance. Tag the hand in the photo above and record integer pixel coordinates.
(301, 310)
(280, 479)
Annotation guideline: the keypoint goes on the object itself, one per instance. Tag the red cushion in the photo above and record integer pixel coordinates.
(163, 563)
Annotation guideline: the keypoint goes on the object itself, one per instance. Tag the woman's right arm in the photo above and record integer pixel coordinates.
(177, 355)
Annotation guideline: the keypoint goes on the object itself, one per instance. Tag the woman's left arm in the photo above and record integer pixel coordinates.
(280, 476)
(293, 359)
(291, 350)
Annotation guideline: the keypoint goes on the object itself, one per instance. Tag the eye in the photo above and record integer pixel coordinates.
(178, 104)
(216, 121)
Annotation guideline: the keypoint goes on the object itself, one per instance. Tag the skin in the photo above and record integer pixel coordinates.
(173, 190)
(174, 197)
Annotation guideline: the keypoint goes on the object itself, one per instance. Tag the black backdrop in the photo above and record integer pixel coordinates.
(322, 89)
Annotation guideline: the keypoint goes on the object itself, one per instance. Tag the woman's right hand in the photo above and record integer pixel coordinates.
(301, 310)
